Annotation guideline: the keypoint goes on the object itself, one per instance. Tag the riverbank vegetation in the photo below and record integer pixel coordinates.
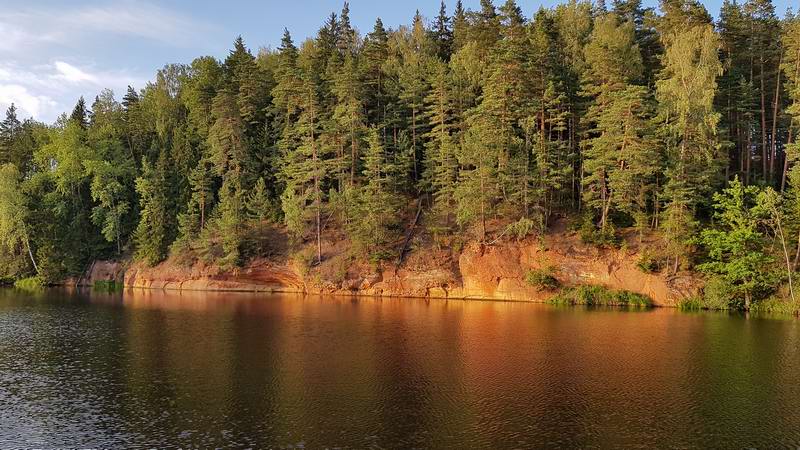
(613, 116)
(599, 296)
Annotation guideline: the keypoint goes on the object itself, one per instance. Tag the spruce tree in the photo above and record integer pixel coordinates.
(377, 206)
(80, 114)
(305, 166)
(227, 144)
(442, 34)
(151, 233)
(440, 149)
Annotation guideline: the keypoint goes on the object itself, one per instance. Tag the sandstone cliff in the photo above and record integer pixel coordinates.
(477, 272)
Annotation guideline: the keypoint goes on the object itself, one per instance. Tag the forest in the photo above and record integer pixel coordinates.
(609, 116)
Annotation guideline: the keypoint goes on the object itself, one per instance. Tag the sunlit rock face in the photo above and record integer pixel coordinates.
(479, 271)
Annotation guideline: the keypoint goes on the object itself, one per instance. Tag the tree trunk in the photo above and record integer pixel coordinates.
(786, 256)
(202, 211)
(353, 152)
(414, 139)
(786, 159)
(30, 253)
(317, 197)
(774, 149)
(764, 154)
(797, 253)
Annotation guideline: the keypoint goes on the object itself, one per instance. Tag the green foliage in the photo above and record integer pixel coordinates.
(30, 284)
(690, 304)
(107, 286)
(543, 278)
(374, 208)
(649, 262)
(775, 305)
(605, 237)
(737, 250)
(719, 293)
(151, 234)
(631, 117)
(686, 100)
(600, 296)
(523, 228)
(14, 211)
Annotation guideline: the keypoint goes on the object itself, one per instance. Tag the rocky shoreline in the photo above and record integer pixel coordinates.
(486, 272)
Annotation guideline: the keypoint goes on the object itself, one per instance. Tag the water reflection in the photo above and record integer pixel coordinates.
(212, 369)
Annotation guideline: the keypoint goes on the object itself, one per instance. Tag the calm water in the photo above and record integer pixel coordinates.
(238, 370)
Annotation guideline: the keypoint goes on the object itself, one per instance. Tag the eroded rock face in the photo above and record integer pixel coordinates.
(257, 276)
(480, 272)
(499, 272)
(111, 271)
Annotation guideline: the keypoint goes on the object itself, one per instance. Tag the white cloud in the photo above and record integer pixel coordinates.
(44, 91)
(71, 74)
(26, 29)
(27, 103)
(139, 19)
(50, 56)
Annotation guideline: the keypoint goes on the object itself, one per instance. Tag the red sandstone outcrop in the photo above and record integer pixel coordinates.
(260, 276)
(478, 272)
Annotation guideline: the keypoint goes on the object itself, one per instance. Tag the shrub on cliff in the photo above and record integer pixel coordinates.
(543, 278)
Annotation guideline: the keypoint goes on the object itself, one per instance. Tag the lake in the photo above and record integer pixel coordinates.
(169, 370)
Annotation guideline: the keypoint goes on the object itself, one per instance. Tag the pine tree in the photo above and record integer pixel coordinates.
(735, 92)
(686, 96)
(348, 113)
(476, 193)
(506, 100)
(485, 26)
(615, 117)
(230, 223)
(763, 40)
(550, 151)
(791, 68)
(305, 166)
(413, 86)
(460, 27)
(679, 16)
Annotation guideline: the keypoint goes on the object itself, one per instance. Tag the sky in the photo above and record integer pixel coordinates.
(52, 51)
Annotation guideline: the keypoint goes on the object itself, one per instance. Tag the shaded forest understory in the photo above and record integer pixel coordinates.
(662, 129)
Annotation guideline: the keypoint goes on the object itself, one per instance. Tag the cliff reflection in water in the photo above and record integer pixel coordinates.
(208, 369)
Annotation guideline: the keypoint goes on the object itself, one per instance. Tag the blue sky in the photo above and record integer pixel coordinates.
(51, 54)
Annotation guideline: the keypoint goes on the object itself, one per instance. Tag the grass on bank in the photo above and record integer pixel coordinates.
(719, 295)
(30, 283)
(107, 286)
(599, 296)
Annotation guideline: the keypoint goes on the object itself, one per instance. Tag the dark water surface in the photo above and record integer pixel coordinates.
(150, 369)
